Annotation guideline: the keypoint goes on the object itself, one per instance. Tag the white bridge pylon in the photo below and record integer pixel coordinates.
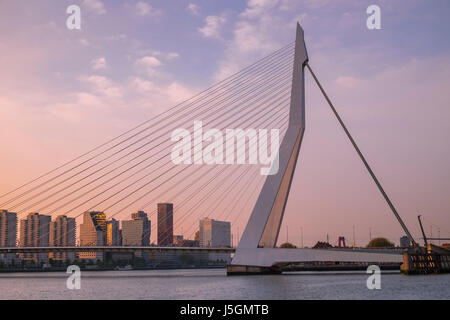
(256, 249)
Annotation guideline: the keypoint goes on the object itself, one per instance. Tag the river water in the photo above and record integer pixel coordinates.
(214, 284)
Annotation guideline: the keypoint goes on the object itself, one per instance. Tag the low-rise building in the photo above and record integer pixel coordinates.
(215, 233)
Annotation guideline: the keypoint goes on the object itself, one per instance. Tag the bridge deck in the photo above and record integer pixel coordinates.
(306, 254)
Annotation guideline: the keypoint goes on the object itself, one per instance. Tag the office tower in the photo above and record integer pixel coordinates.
(139, 215)
(35, 232)
(136, 232)
(8, 228)
(165, 224)
(62, 234)
(113, 235)
(215, 233)
(93, 233)
(8, 234)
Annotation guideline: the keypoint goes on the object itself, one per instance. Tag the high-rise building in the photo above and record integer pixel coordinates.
(93, 233)
(215, 233)
(62, 234)
(113, 234)
(35, 232)
(165, 224)
(8, 234)
(8, 228)
(139, 215)
(136, 232)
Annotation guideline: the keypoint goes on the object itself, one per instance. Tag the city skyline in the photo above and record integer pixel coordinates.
(41, 231)
(62, 231)
(330, 184)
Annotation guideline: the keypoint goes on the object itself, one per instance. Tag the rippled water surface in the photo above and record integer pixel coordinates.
(214, 284)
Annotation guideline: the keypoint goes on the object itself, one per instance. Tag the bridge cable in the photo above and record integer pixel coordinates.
(82, 179)
(125, 187)
(152, 180)
(145, 122)
(362, 158)
(283, 119)
(19, 196)
(194, 207)
(181, 117)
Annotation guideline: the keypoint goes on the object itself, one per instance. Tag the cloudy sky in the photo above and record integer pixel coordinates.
(64, 91)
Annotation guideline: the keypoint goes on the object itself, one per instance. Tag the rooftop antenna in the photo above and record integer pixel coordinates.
(431, 233)
(354, 242)
(301, 235)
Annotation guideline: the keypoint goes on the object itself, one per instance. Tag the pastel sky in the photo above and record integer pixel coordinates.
(64, 91)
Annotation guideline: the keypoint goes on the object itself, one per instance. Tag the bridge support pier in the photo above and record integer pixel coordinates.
(238, 270)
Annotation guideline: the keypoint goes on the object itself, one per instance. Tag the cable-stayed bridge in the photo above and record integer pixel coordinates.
(206, 155)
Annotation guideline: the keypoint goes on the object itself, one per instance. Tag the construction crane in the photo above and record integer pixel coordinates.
(423, 232)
